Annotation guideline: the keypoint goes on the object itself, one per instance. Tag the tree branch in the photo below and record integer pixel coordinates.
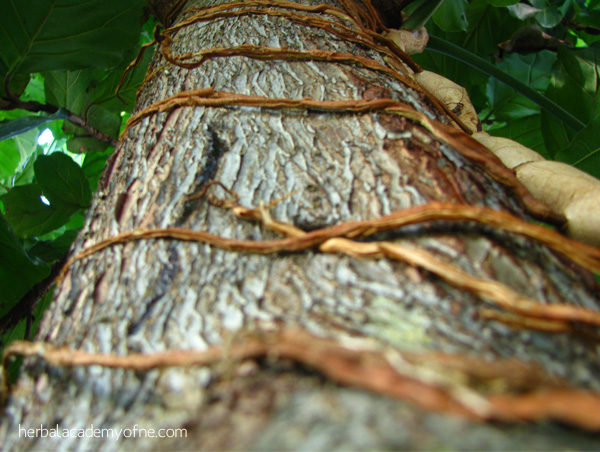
(36, 107)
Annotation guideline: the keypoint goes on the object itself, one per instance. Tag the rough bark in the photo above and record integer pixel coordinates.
(156, 295)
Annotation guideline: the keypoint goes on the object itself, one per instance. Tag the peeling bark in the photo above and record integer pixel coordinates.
(157, 295)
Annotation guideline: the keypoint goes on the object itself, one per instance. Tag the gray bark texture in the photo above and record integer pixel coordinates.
(157, 295)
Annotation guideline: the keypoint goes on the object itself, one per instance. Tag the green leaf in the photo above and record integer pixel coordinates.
(10, 129)
(488, 26)
(575, 85)
(9, 115)
(90, 94)
(94, 164)
(35, 90)
(105, 120)
(524, 11)
(25, 175)
(533, 70)
(18, 272)
(68, 89)
(63, 182)
(9, 159)
(77, 90)
(104, 94)
(18, 84)
(48, 35)
(547, 15)
(584, 150)
(26, 144)
(450, 16)
(29, 216)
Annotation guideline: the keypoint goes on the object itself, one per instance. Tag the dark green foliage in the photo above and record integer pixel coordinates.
(62, 59)
(550, 71)
(76, 34)
(576, 76)
(29, 215)
(18, 271)
(65, 189)
(63, 181)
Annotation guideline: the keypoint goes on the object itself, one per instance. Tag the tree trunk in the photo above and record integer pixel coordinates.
(155, 295)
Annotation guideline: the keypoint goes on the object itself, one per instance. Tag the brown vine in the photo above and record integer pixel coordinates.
(355, 33)
(364, 36)
(273, 53)
(466, 145)
(338, 239)
(518, 322)
(440, 382)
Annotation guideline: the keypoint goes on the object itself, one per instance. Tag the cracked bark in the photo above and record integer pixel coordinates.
(157, 295)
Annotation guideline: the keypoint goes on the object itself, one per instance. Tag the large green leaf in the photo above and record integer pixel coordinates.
(48, 35)
(488, 26)
(104, 93)
(29, 216)
(584, 150)
(35, 89)
(92, 94)
(24, 174)
(533, 70)
(77, 90)
(575, 85)
(68, 89)
(450, 16)
(18, 272)
(63, 182)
